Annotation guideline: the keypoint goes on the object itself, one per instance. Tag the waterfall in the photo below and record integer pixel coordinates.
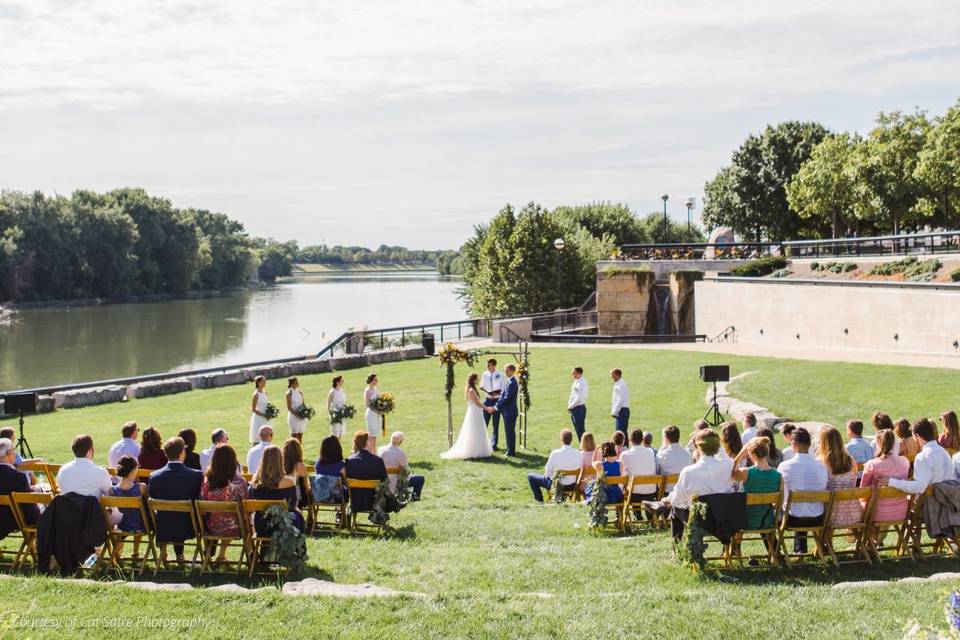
(661, 298)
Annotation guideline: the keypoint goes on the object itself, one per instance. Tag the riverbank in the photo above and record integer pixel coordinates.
(8, 308)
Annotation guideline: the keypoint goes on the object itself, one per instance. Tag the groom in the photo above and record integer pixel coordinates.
(507, 407)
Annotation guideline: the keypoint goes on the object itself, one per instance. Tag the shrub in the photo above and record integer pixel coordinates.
(955, 275)
(849, 266)
(781, 273)
(892, 268)
(910, 268)
(841, 267)
(814, 266)
(760, 267)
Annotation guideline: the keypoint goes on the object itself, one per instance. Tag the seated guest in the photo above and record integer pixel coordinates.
(709, 474)
(128, 487)
(760, 477)
(221, 483)
(886, 465)
(563, 459)
(672, 458)
(270, 483)
(730, 440)
(841, 474)
(151, 452)
(619, 441)
(363, 465)
(11, 434)
(787, 431)
(907, 445)
(647, 440)
(950, 438)
(802, 472)
(691, 447)
(587, 447)
(775, 456)
(749, 427)
(608, 466)
(12, 481)
(328, 483)
(394, 456)
(932, 465)
(293, 467)
(81, 475)
(640, 460)
(255, 453)
(860, 449)
(174, 481)
(217, 438)
(125, 446)
(881, 421)
(191, 458)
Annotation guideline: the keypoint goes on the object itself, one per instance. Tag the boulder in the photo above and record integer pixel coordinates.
(89, 396)
(215, 380)
(270, 371)
(154, 388)
(314, 587)
(862, 584)
(720, 235)
(306, 367)
(348, 362)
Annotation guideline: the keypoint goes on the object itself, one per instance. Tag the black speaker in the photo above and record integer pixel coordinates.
(715, 372)
(15, 403)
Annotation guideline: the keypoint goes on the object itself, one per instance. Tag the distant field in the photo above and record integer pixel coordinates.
(306, 269)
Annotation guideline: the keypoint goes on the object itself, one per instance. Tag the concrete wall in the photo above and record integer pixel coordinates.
(623, 299)
(925, 318)
(662, 268)
(522, 327)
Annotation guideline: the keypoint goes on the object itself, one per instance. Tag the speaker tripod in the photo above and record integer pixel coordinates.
(713, 416)
(22, 443)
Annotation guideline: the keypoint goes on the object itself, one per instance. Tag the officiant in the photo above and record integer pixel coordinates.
(492, 384)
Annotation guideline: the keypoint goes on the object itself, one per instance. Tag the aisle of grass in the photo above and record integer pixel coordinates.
(481, 550)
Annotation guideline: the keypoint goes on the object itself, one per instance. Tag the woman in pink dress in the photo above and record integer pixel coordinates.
(950, 438)
(841, 474)
(886, 465)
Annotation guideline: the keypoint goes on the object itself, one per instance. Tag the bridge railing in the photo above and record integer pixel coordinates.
(699, 251)
(905, 244)
(565, 322)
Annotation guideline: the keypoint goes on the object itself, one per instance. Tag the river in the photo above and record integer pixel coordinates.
(50, 346)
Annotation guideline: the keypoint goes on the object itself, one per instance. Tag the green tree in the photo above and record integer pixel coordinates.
(938, 168)
(824, 189)
(603, 218)
(276, 258)
(675, 231)
(106, 236)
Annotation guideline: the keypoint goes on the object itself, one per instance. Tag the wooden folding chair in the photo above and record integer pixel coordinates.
(855, 531)
(143, 475)
(766, 535)
(257, 543)
(40, 469)
(631, 504)
(814, 532)
(360, 527)
(157, 507)
(6, 502)
(317, 512)
(946, 546)
(666, 484)
(213, 542)
(247, 477)
(569, 491)
(878, 529)
(587, 475)
(617, 507)
(725, 549)
(116, 538)
(29, 531)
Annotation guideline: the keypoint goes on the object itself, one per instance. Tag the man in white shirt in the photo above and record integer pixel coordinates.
(125, 446)
(620, 409)
(566, 458)
(492, 383)
(256, 453)
(749, 428)
(787, 430)
(932, 464)
(394, 456)
(577, 404)
(639, 460)
(672, 458)
(82, 475)
(218, 437)
(709, 474)
(803, 472)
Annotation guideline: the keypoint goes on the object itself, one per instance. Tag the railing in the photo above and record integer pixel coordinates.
(699, 251)
(362, 339)
(565, 322)
(727, 335)
(918, 243)
(587, 338)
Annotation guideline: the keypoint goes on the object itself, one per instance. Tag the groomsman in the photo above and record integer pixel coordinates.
(507, 405)
(492, 382)
(577, 405)
(621, 402)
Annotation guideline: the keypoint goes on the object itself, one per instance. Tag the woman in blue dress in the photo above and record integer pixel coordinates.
(609, 466)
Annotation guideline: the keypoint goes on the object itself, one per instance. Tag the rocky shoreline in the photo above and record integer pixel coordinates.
(7, 309)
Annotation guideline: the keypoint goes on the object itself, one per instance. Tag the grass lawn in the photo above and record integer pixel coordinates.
(485, 554)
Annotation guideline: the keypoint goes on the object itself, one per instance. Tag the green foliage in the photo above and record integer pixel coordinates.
(938, 168)
(597, 514)
(276, 258)
(322, 254)
(690, 275)
(760, 267)
(891, 268)
(288, 546)
(692, 549)
(781, 273)
(910, 268)
(601, 219)
(675, 231)
(833, 267)
(824, 187)
(955, 275)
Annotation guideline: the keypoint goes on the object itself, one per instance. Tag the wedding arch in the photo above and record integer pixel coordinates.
(449, 356)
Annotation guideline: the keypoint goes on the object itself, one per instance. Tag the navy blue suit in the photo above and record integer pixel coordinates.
(175, 481)
(12, 480)
(507, 406)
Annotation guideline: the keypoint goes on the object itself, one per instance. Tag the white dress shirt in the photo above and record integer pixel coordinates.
(621, 397)
(956, 465)
(748, 434)
(205, 456)
(120, 448)
(709, 474)
(578, 393)
(393, 456)
(639, 461)
(932, 465)
(493, 381)
(671, 460)
(566, 458)
(803, 472)
(84, 477)
(255, 455)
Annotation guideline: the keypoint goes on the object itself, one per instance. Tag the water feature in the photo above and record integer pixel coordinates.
(661, 310)
(297, 316)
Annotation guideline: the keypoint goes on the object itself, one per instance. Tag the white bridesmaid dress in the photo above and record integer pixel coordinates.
(257, 421)
(338, 401)
(374, 422)
(295, 422)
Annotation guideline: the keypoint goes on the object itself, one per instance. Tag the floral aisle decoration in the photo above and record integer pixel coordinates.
(385, 502)
(288, 546)
(692, 546)
(598, 502)
(556, 484)
(523, 379)
(916, 631)
(339, 415)
(271, 412)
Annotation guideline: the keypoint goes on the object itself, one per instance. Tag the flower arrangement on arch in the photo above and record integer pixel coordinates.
(523, 378)
(449, 356)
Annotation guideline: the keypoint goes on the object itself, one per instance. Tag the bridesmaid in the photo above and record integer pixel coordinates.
(258, 407)
(297, 423)
(374, 421)
(337, 399)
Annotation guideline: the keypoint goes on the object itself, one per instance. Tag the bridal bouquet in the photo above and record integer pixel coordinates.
(384, 403)
(305, 411)
(271, 412)
(339, 415)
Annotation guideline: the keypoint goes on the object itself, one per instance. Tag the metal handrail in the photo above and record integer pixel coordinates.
(725, 335)
(904, 244)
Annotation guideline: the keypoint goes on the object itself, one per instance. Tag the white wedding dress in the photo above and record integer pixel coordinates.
(472, 441)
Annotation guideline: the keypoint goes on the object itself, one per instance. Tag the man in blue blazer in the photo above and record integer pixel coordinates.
(12, 480)
(507, 406)
(175, 481)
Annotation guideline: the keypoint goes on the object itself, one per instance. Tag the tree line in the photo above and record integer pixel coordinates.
(322, 254)
(799, 180)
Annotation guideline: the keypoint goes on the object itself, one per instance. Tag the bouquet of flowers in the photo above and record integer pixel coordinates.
(305, 411)
(339, 415)
(384, 403)
(523, 377)
(449, 356)
(271, 412)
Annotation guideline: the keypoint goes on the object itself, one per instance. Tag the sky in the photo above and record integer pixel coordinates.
(407, 123)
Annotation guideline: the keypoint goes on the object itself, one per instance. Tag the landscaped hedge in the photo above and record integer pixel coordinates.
(760, 267)
(910, 268)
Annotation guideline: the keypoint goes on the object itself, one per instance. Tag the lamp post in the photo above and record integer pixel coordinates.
(690, 203)
(559, 244)
(666, 224)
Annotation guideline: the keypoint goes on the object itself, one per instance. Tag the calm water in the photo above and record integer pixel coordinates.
(299, 316)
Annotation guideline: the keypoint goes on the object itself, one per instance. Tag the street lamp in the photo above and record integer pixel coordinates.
(690, 203)
(666, 225)
(559, 244)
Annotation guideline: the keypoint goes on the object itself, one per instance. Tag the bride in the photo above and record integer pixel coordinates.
(472, 441)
